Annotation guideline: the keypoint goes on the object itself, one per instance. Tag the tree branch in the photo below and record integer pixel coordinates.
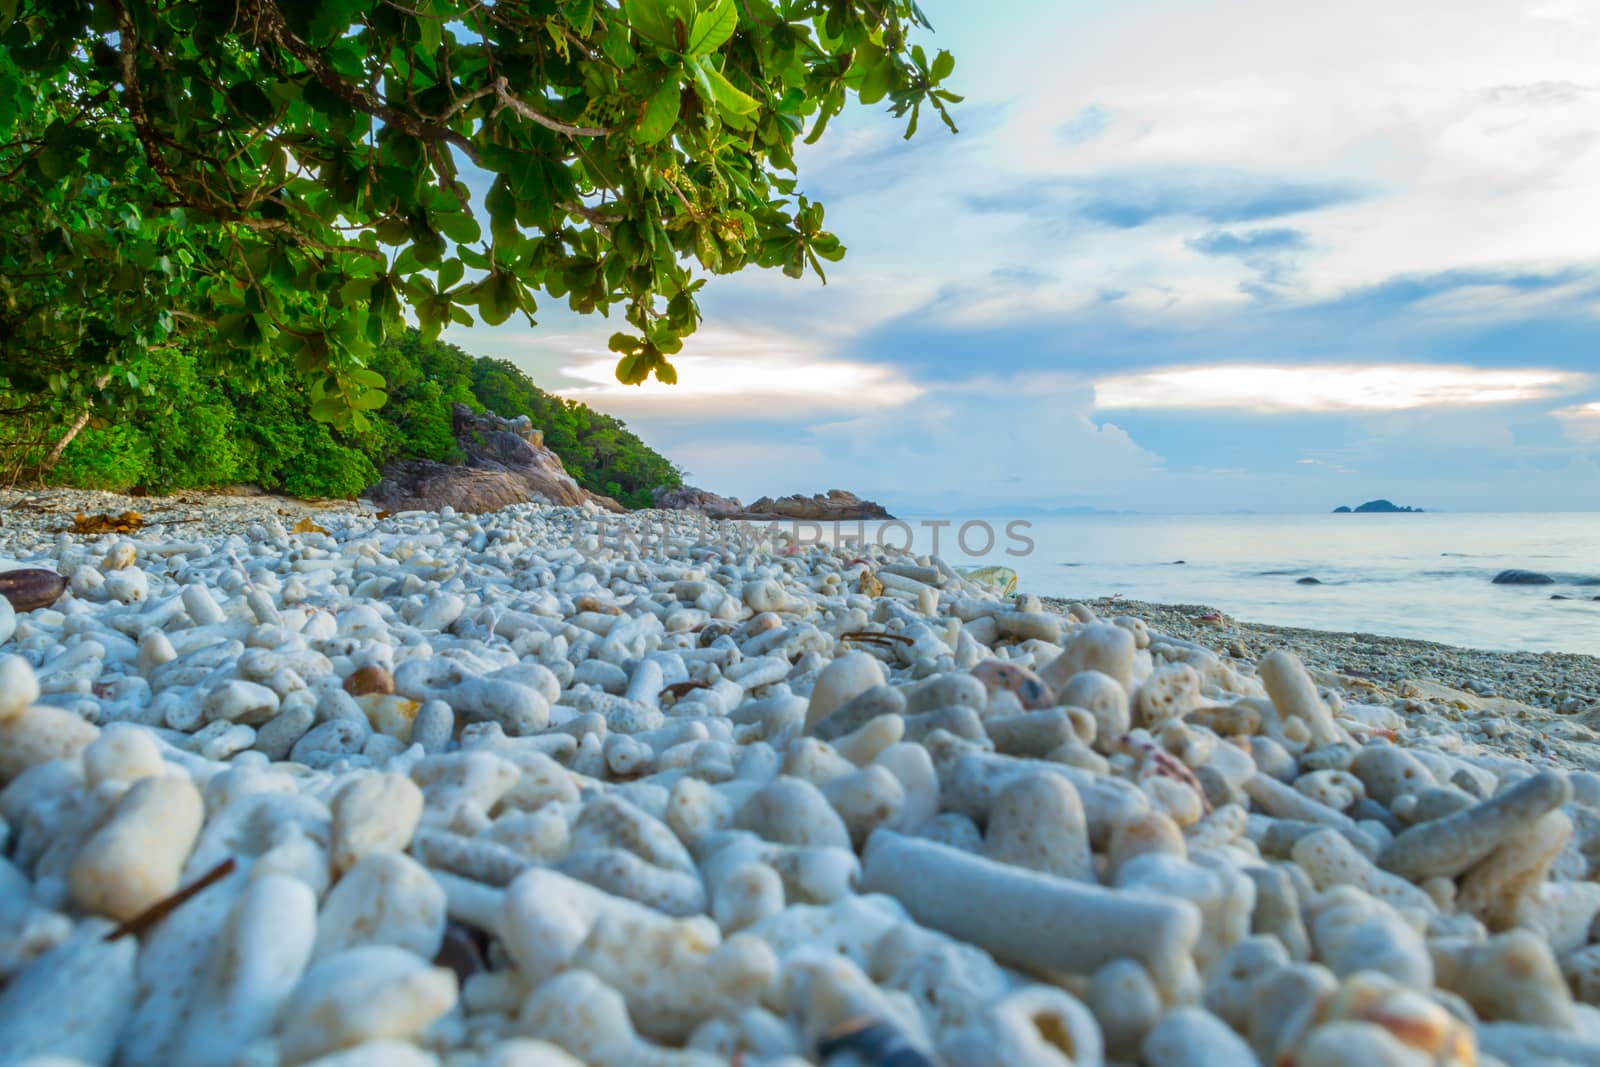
(601, 223)
(462, 102)
(507, 100)
(150, 139)
(270, 20)
(72, 431)
(133, 98)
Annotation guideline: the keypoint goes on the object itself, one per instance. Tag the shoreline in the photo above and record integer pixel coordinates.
(1536, 705)
(1531, 704)
(1540, 680)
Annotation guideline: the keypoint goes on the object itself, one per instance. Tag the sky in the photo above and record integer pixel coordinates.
(1181, 257)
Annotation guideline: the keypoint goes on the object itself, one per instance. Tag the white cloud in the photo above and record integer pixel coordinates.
(733, 372)
(1468, 122)
(1329, 388)
(1581, 422)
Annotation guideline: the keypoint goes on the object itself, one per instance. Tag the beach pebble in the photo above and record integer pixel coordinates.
(73, 1001)
(137, 856)
(1192, 1037)
(507, 790)
(19, 686)
(240, 701)
(848, 676)
(376, 812)
(792, 811)
(369, 993)
(38, 734)
(385, 899)
(259, 958)
(1037, 822)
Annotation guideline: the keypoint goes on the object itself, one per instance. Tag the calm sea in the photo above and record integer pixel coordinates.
(1421, 575)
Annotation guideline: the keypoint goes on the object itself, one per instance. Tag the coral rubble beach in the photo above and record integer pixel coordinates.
(549, 786)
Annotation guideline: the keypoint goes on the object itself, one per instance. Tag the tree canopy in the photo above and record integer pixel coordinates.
(260, 182)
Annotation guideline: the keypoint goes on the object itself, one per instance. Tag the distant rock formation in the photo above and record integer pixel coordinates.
(507, 463)
(688, 498)
(1520, 577)
(836, 505)
(1377, 506)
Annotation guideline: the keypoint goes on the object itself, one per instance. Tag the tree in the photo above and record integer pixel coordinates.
(285, 179)
(198, 431)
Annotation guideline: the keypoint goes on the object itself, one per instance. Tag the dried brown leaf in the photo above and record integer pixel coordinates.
(127, 522)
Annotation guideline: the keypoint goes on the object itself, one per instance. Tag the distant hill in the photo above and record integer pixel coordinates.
(1376, 506)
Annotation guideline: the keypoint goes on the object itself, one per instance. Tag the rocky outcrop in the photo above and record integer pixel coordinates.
(836, 504)
(1521, 577)
(507, 463)
(688, 498)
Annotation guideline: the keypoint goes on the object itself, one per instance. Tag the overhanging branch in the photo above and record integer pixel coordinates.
(269, 21)
(517, 106)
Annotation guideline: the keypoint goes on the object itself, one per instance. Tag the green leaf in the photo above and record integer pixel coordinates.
(251, 101)
(828, 247)
(706, 249)
(355, 291)
(328, 409)
(651, 19)
(367, 377)
(393, 231)
(661, 113)
(729, 97)
(713, 28)
(877, 79)
(371, 400)
(53, 164)
(497, 298)
(232, 327)
(631, 370)
(816, 264)
(943, 64)
(456, 225)
(665, 374)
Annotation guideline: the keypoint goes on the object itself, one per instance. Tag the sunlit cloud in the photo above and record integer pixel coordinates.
(738, 373)
(1330, 387)
(1581, 422)
(1337, 468)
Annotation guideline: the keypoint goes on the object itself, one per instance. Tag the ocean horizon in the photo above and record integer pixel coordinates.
(1427, 575)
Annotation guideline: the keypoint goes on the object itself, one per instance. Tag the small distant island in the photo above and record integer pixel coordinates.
(1379, 506)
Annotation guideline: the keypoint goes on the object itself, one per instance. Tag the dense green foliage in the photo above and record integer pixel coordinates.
(426, 377)
(195, 431)
(271, 184)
